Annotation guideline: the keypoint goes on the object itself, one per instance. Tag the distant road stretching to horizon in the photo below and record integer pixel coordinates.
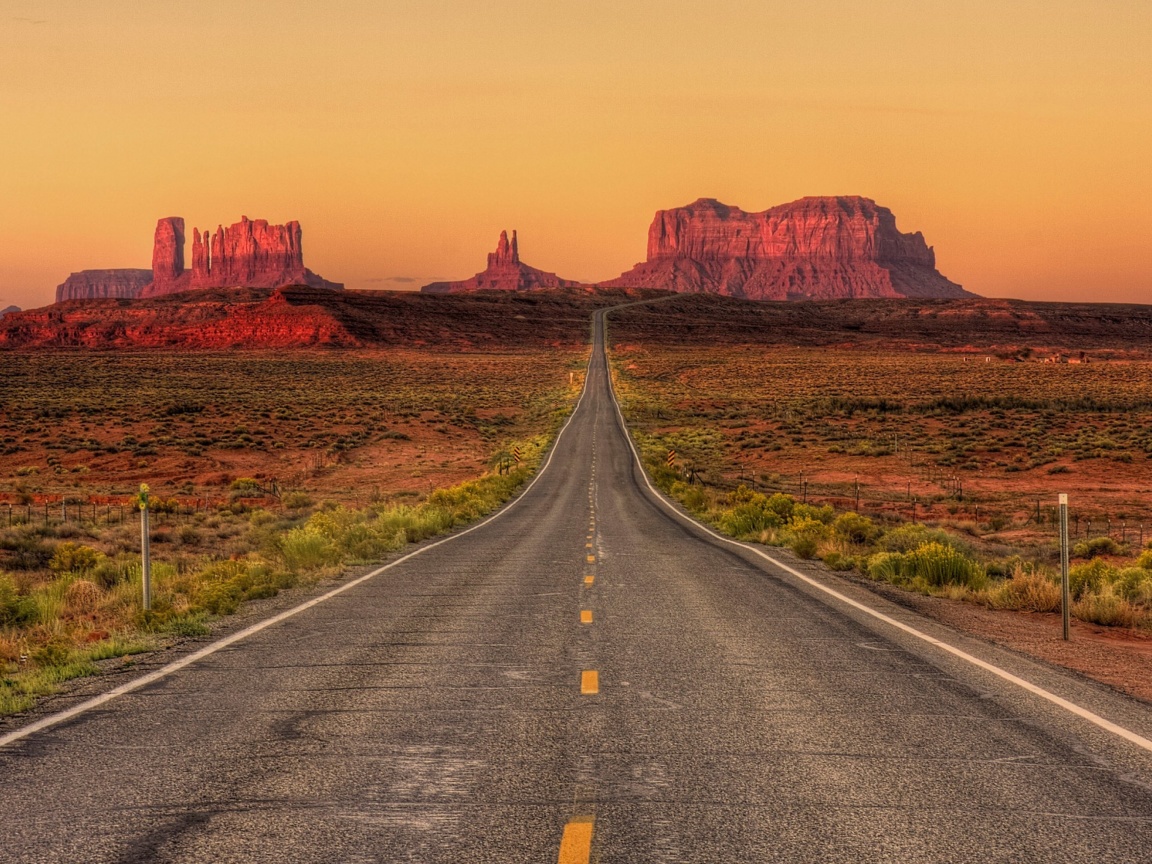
(590, 676)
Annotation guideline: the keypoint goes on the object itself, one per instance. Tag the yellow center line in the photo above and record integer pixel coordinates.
(585, 616)
(588, 580)
(587, 545)
(576, 844)
(591, 559)
(589, 682)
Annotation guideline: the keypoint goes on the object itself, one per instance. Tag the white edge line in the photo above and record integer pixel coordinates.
(239, 635)
(1072, 707)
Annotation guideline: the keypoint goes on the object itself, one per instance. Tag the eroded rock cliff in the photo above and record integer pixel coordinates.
(814, 248)
(505, 272)
(250, 254)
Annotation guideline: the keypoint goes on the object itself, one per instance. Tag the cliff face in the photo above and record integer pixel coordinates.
(102, 284)
(250, 254)
(505, 272)
(814, 248)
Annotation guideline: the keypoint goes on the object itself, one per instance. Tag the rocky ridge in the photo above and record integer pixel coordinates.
(812, 249)
(505, 272)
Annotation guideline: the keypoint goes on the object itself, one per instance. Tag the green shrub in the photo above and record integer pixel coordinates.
(810, 512)
(855, 528)
(1095, 546)
(1028, 590)
(906, 538)
(296, 500)
(1089, 578)
(74, 558)
(804, 546)
(887, 567)
(307, 549)
(1134, 584)
(940, 565)
(1106, 608)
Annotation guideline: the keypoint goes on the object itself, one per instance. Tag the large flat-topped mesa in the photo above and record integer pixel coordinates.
(505, 272)
(248, 254)
(814, 248)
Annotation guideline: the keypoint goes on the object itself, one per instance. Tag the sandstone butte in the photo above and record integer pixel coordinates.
(811, 249)
(248, 254)
(505, 272)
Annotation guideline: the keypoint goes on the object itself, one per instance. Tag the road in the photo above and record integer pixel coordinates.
(588, 677)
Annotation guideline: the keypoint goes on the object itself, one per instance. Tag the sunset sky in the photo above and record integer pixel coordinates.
(1017, 136)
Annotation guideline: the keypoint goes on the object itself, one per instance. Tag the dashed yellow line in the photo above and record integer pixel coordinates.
(591, 559)
(589, 682)
(585, 616)
(588, 580)
(587, 545)
(576, 843)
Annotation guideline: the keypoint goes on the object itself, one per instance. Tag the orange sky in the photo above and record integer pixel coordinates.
(404, 135)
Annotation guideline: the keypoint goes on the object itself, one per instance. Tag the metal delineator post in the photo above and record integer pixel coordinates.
(1064, 590)
(145, 548)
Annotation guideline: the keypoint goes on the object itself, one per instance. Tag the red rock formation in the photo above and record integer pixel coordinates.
(97, 284)
(505, 272)
(250, 254)
(168, 253)
(814, 248)
(7, 310)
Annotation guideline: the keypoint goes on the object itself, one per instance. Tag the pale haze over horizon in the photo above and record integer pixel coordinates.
(405, 135)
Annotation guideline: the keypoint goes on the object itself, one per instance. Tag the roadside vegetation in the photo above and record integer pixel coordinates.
(741, 426)
(360, 455)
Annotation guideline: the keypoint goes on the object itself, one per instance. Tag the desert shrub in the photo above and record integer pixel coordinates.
(693, 498)
(855, 528)
(26, 552)
(810, 512)
(306, 549)
(782, 505)
(245, 486)
(107, 573)
(887, 567)
(907, 538)
(1106, 608)
(804, 546)
(750, 514)
(1027, 590)
(939, 565)
(1144, 561)
(14, 609)
(82, 597)
(1134, 584)
(189, 535)
(1089, 578)
(74, 558)
(296, 500)
(1095, 546)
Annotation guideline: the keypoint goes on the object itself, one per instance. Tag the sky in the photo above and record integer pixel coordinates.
(1017, 136)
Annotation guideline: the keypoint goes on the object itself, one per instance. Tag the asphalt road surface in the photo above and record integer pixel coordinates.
(588, 677)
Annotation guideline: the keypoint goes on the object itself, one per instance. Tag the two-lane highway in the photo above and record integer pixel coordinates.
(588, 677)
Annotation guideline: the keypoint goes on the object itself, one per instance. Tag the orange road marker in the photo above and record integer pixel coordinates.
(576, 843)
(585, 616)
(588, 580)
(589, 682)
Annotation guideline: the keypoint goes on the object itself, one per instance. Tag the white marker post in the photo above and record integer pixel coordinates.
(1064, 591)
(145, 548)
